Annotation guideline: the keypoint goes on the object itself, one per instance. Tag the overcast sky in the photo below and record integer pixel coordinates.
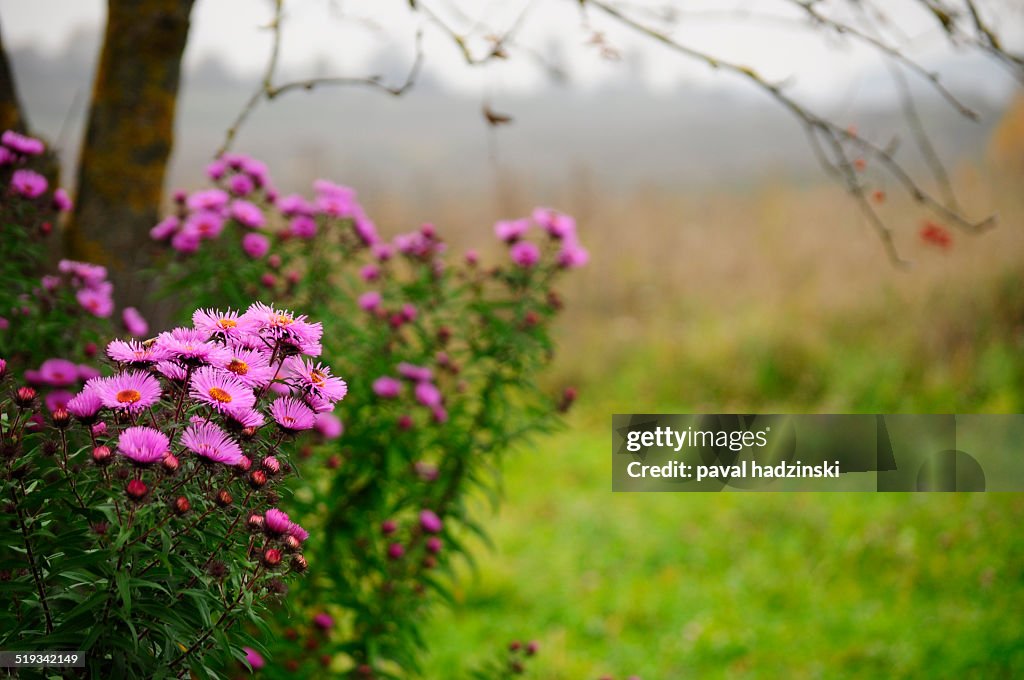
(337, 37)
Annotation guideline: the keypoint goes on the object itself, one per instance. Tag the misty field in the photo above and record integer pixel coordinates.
(770, 299)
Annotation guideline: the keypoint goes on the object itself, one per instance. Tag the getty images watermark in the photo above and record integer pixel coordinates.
(721, 452)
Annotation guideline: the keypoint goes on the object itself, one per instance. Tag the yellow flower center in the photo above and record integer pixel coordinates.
(238, 367)
(128, 396)
(317, 377)
(283, 320)
(227, 323)
(219, 395)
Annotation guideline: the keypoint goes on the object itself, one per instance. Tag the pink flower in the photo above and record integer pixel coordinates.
(61, 201)
(323, 621)
(292, 415)
(84, 273)
(227, 324)
(251, 366)
(216, 169)
(212, 443)
(210, 199)
(414, 372)
(58, 372)
(293, 204)
(248, 214)
(525, 254)
(430, 522)
(297, 532)
(365, 230)
(28, 183)
(558, 225)
(87, 372)
(241, 185)
(370, 272)
(134, 322)
(395, 551)
(427, 394)
(165, 228)
(572, 255)
(172, 370)
(253, 658)
(58, 399)
(249, 417)
(328, 425)
(303, 226)
(143, 445)
(186, 241)
(282, 326)
(134, 352)
(387, 387)
(221, 390)
(276, 522)
(85, 405)
(204, 224)
(472, 258)
(370, 301)
(433, 545)
(255, 245)
(510, 231)
(130, 391)
(22, 144)
(96, 302)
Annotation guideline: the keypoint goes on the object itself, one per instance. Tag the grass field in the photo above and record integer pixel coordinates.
(773, 300)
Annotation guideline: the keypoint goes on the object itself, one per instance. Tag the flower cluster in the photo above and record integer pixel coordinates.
(59, 376)
(15, 151)
(94, 293)
(560, 228)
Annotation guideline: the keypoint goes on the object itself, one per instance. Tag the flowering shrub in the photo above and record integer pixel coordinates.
(443, 353)
(141, 520)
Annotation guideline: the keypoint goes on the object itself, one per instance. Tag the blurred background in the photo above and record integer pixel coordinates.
(728, 273)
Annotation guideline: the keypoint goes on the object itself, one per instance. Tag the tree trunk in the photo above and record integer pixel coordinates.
(11, 115)
(128, 139)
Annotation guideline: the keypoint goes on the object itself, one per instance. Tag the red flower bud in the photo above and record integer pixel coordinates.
(271, 557)
(136, 489)
(255, 522)
(271, 465)
(181, 505)
(514, 646)
(101, 455)
(532, 647)
(244, 464)
(61, 418)
(299, 563)
(291, 543)
(170, 463)
(388, 527)
(223, 498)
(395, 551)
(257, 479)
(24, 396)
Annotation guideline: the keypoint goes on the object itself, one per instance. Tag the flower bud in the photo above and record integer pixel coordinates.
(514, 646)
(136, 489)
(61, 418)
(101, 455)
(388, 527)
(181, 505)
(271, 465)
(532, 647)
(291, 543)
(334, 462)
(248, 432)
(433, 545)
(170, 463)
(395, 551)
(271, 557)
(255, 522)
(429, 562)
(405, 422)
(223, 498)
(299, 563)
(24, 396)
(244, 464)
(257, 479)
(91, 349)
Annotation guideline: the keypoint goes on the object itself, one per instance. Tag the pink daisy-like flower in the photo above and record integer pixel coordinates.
(572, 255)
(276, 521)
(323, 621)
(328, 425)
(172, 370)
(280, 325)
(87, 372)
(58, 372)
(23, 144)
(297, 532)
(209, 199)
(190, 346)
(524, 253)
(165, 228)
(186, 241)
(204, 224)
(58, 399)
(85, 405)
(134, 322)
(511, 230)
(249, 417)
(216, 169)
(254, 658)
(208, 441)
(370, 272)
(430, 522)
(387, 387)
(87, 274)
(250, 366)
(292, 415)
(130, 391)
(293, 204)
(317, 379)
(369, 301)
(143, 445)
(241, 185)
(227, 324)
(96, 302)
(427, 394)
(365, 230)
(255, 245)
(382, 251)
(303, 226)
(135, 352)
(414, 372)
(557, 225)
(221, 390)
(28, 183)
(247, 214)
(61, 201)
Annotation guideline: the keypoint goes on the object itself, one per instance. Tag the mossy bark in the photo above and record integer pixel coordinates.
(128, 139)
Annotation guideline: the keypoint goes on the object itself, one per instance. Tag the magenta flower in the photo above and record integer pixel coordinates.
(221, 390)
(297, 532)
(165, 228)
(130, 391)
(370, 272)
(134, 322)
(253, 658)
(22, 144)
(99, 303)
(382, 251)
(276, 522)
(58, 372)
(61, 201)
(190, 346)
(414, 372)
(572, 255)
(255, 245)
(427, 394)
(249, 417)
(524, 253)
(250, 366)
(557, 225)
(323, 621)
(172, 370)
(58, 399)
(430, 522)
(216, 169)
(227, 324)
(433, 545)
(208, 441)
(370, 301)
(387, 387)
(143, 445)
(134, 352)
(204, 224)
(472, 258)
(328, 425)
(87, 274)
(292, 415)
(85, 405)
(303, 226)
(241, 185)
(87, 372)
(365, 230)
(293, 204)
(213, 200)
(247, 214)
(282, 326)
(186, 241)
(316, 379)
(510, 231)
